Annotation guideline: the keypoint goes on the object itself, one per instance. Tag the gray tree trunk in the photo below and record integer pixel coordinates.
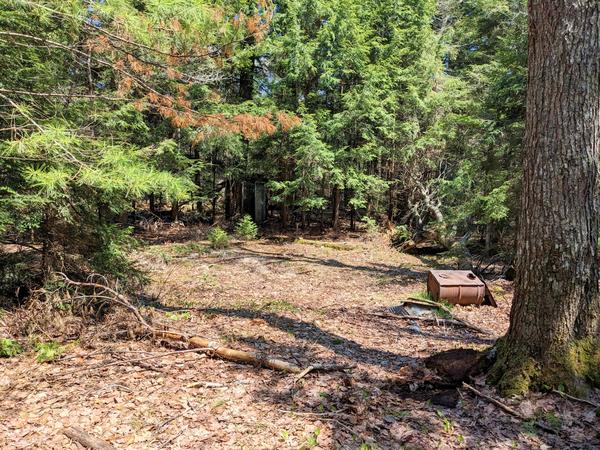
(555, 313)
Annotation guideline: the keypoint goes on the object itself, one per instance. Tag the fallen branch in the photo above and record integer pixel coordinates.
(87, 440)
(507, 409)
(117, 298)
(206, 384)
(576, 399)
(194, 342)
(304, 373)
(436, 320)
(213, 348)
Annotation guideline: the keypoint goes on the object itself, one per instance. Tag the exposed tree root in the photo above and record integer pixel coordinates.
(574, 369)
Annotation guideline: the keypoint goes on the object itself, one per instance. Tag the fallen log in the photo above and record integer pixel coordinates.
(194, 342)
(87, 440)
(229, 353)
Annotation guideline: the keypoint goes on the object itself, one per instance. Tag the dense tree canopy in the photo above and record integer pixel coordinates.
(406, 112)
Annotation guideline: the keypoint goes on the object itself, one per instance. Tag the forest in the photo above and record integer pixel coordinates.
(222, 222)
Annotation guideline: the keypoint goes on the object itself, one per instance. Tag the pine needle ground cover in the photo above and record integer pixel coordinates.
(288, 299)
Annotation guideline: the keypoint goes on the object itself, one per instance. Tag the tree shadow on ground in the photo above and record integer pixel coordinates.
(381, 410)
(309, 332)
(376, 269)
(359, 406)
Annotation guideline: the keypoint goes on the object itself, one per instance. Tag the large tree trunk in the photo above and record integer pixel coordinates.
(553, 334)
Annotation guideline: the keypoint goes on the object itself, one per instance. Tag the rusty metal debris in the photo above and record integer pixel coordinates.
(459, 287)
(409, 308)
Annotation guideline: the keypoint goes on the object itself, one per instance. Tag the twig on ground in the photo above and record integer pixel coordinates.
(507, 409)
(303, 373)
(170, 441)
(343, 425)
(206, 384)
(310, 413)
(323, 368)
(132, 361)
(576, 399)
(168, 421)
(87, 440)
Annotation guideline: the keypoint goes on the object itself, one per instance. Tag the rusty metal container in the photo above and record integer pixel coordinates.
(459, 287)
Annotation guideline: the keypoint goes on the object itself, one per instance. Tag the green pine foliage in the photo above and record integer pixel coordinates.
(407, 109)
(218, 237)
(246, 228)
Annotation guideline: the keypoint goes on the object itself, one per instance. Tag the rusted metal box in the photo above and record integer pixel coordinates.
(460, 287)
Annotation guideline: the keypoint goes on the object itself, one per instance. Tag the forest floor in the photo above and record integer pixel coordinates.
(301, 301)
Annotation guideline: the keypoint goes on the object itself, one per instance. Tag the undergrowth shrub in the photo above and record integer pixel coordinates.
(9, 348)
(218, 238)
(19, 272)
(400, 235)
(48, 351)
(246, 228)
(110, 257)
(371, 226)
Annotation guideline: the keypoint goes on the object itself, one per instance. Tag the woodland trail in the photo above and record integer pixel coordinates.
(297, 300)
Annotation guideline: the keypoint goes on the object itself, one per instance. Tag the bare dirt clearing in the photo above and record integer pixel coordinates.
(301, 301)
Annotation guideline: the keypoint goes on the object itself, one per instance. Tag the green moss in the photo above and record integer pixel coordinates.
(584, 360)
(519, 378)
(572, 371)
(513, 374)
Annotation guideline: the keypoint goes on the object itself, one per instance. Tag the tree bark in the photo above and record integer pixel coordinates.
(284, 214)
(174, 211)
(228, 200)
(335, 220)
(553, 334)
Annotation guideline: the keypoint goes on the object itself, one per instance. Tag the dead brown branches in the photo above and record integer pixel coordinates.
(195, 343)
(507, 409)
